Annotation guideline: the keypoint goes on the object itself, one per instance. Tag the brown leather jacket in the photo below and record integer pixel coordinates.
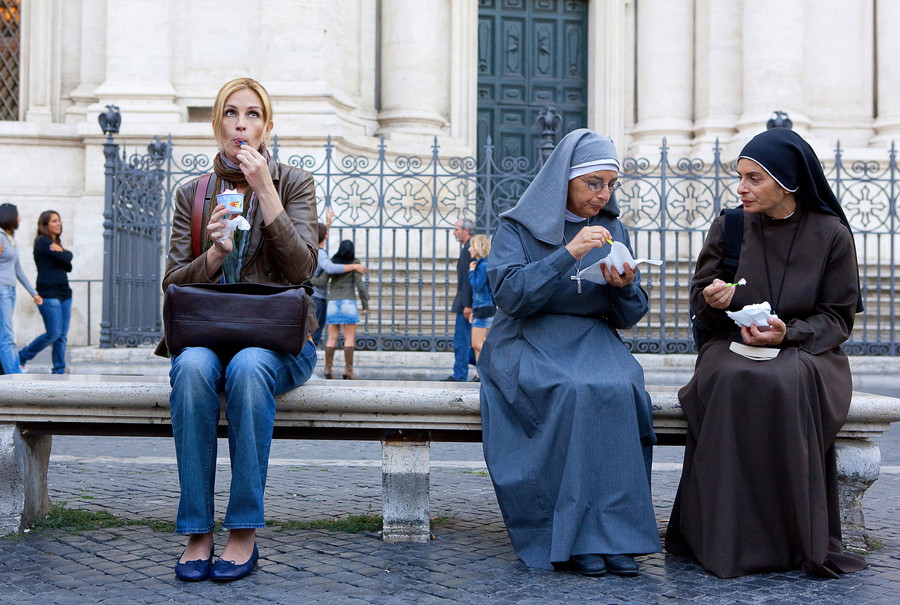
(284, 251)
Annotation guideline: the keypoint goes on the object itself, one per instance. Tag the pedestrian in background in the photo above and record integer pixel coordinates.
(10, 272)
(483, 308)
(327, 267)
(342, 308)
(53, 262)
(462, 304)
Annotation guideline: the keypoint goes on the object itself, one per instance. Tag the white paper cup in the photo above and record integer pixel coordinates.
(233, 202)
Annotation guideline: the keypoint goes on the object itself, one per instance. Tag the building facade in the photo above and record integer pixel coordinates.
(691, 71)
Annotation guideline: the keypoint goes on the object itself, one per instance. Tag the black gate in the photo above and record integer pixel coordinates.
(400, 211)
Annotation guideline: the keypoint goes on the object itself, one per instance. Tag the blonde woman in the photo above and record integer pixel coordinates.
(483, 308)
(280, 247)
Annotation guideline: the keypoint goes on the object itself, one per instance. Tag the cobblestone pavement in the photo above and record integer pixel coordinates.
(470, 559)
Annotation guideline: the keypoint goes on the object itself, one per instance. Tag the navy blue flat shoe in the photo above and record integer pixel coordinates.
(194, 571)
(228, 571)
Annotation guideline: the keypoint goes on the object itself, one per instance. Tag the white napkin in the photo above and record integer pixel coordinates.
(618, 256)
(238, 222)
(758, 314)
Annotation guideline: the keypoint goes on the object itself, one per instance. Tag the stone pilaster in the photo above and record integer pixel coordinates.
(887, 49)
(40, 60)
(772, 57)
(839, 90)
(141, 87)
(717, 83)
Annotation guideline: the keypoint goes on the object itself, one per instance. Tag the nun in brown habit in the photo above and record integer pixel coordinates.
(759, 491)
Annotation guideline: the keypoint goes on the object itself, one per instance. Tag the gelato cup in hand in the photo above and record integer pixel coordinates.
(232, 200)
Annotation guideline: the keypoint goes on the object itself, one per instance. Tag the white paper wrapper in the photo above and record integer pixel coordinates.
(238, 222)
(617, 257)
(758, 314)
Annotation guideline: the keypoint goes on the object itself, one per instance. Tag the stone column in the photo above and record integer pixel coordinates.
(838, 79)
(665, 64)
(141, 88)
(717, 81)
(415, 67)
(887, 49)
(772, 65)
(607, 79)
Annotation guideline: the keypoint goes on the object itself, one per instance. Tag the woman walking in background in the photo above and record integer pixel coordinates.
(342, 309)
(10, 271)
(483, 308)
(52, 262)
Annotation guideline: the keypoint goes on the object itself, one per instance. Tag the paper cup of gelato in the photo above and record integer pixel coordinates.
(232, 200)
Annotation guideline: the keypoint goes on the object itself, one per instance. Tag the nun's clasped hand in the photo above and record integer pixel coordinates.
(588, 239)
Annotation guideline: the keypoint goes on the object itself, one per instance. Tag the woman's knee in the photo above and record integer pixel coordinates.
(252, 365)
(194, 363)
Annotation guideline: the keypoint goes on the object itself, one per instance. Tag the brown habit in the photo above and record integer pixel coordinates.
(758, 490)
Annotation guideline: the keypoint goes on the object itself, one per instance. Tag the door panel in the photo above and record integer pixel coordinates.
(531, 53)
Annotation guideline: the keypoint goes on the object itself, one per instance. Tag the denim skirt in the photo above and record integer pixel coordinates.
(486, 323)
(342, 311)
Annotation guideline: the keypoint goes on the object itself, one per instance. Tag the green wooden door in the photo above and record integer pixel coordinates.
(531, 53)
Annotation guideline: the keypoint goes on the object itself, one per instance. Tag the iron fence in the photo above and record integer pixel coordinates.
(400, 211)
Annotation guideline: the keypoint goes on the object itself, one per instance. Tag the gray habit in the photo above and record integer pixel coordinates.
(567, 424)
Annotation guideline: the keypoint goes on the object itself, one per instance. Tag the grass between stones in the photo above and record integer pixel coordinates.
(75, 521)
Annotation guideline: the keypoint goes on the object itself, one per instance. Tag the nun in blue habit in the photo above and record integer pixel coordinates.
(566, 421)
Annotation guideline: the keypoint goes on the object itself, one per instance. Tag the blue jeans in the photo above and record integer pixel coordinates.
(56, 314)
(250, 381)
(462, 342)
(9, 354)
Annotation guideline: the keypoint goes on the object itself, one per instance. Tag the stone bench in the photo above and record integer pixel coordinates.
(404, 416)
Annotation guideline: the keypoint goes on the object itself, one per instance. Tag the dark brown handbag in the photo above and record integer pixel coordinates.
(229, 317)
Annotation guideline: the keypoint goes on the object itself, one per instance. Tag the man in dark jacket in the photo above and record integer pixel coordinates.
(462, 304)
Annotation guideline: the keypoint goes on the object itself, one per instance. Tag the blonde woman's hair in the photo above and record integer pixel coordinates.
(480, 246)
(227, 89)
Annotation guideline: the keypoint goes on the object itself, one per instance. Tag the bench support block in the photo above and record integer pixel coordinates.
(23, 478)
(405, 480)
(858, 466)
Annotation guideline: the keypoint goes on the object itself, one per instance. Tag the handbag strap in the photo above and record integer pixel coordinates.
(200, 197)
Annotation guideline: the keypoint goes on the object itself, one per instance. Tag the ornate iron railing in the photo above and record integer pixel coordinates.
(400, 211)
